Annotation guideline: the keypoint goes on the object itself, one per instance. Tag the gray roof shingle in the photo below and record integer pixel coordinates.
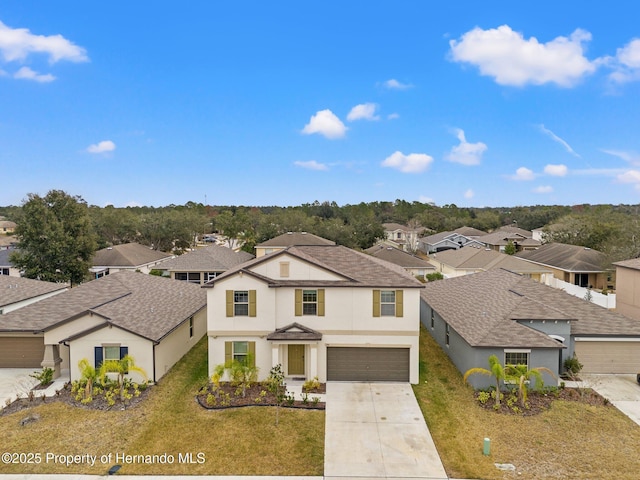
(214, 258)
(18, 289)
(295, 238)
(571, 258)
(127, 255)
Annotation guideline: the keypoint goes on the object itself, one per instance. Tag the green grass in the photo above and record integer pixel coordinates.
(571, 440)
(242, 441)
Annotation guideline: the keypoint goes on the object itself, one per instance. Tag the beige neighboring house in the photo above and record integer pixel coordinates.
(6, 266)
(203, 264)
(7, 227)
(474, 259)
(290, 239)
(573, 264)
(128, 256)
(18, 292)
(325, 311)
(153, 319)
(403, 237)
(628, 288)
(412, 264)
(520, 238)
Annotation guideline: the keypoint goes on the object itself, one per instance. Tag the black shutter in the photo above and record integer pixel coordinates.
(98, 357)
(123, 351)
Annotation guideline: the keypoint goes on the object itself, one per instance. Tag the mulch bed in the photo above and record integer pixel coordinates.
(538, 402)
(65, 396)
(229, 396)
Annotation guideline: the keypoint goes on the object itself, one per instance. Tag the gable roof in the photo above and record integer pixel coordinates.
(146, 305)
(4, 257)
(473, 257)
(485, 309)
(503, 237)
(355, 269)
(571, 258)
(127, 255)
(398, 257)
(18, 289)
(633, 264)
(213, 258)
(295, 331)
(295, 238)
(469, 231)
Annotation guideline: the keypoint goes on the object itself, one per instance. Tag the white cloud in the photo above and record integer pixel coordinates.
(466, 153)
(102, 147)
(412, 163)
(558, 139)
(630, 176)
(393, 84)
(311, 165)
(325, 123)
(513, 60)
(425, 199)
(469, 194)
(523, 173)
(626, 64)
(556, 170)
(393, 116)
(631, 157)
(364, 111)
(543, 189)
(25, 73)
(18, 43)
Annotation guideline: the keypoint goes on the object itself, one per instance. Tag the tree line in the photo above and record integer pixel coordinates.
(59, 228)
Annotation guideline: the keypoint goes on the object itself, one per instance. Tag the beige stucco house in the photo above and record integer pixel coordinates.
(628, 287)
(325, 311)
(153, 319)
(127, 256)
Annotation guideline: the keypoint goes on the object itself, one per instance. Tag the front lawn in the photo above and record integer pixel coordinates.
(570, 440)
(242, 441)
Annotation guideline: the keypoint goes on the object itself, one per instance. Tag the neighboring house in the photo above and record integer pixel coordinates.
(6, 266)
(628, 288)
(469, 232)
(524, 322)
(412, 264)
(128, 256)
(153, 319)
(7, 227)
(474, 259)
(290, 239)
(18, 292)
(573, 264)
(521, 239)
(403, 237)
(442, 241)
(325, 311)
(203, 264)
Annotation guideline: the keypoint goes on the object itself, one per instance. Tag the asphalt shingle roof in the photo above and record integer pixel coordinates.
(398, 257)
(127, 255)
(472, 257)
(571, 258)
(146, 305)
(483, 309)
(18, 289)
(295, 238)
(213, 258)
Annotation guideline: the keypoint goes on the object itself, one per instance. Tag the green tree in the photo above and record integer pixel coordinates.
(510, 248)
(522, 375)
(496, 370)
(87, 373)
(55, 238)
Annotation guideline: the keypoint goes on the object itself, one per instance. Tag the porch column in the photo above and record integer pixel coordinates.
(313, 360)
(52, 359)
(275, 357)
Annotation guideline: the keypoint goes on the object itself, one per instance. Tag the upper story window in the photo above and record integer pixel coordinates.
(241, 303)
(309, 302)
(388, 303)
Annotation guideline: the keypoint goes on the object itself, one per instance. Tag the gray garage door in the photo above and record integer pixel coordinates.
(609, 357)
(360, 364)
(21, 352)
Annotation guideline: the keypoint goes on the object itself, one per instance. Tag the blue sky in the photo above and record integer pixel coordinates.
(281, 103)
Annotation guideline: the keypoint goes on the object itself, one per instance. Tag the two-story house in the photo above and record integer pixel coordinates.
(325, 311)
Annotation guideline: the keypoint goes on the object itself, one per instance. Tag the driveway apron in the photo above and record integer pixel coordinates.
(377, 430)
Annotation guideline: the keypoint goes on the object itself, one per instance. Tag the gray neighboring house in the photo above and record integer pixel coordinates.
(18, 292)
(6, 267)
(153, 319)
(411, 263)
(203, 264)
(521, 321)
(442, 241)
(127, 256)
(290, 239)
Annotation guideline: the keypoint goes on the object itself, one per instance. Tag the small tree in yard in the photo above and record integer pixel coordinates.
(522, 376)
(122, 367)
(496, 370)
(242, 373)
(276, 385)
(88, 374)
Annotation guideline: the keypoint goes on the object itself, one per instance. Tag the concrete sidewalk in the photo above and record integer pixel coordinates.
(376, 430)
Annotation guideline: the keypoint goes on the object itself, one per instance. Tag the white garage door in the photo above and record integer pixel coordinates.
(608, 356)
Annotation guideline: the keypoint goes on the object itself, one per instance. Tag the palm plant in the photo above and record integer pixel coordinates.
(522, 374)
(89, 374)
(122, 367)
(496, 370)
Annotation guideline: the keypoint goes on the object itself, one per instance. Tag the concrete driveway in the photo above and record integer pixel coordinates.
(14, 382)
(376, 430)
(622, 391)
